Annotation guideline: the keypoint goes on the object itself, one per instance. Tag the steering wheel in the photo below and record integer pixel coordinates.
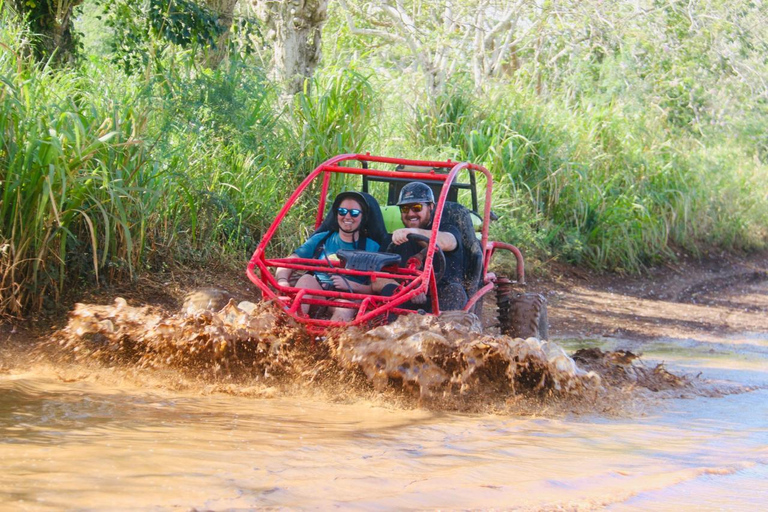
(438, 263)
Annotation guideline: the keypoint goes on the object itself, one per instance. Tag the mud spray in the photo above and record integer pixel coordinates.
(444, 362)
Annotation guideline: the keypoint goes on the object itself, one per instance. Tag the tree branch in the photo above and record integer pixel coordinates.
(367, 31)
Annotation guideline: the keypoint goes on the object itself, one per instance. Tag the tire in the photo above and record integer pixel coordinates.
(525, 316)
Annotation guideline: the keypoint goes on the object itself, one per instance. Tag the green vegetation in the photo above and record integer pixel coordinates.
(614, 155)
(593, 185)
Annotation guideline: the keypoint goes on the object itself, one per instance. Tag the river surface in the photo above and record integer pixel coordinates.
(94, 443)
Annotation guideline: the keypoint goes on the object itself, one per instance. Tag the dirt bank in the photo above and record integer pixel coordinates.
(692, 299)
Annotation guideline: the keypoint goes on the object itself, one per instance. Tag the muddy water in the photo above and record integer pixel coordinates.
(702, 452)
(95, 438)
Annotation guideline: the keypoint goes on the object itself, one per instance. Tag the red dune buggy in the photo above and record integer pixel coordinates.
(519, 314)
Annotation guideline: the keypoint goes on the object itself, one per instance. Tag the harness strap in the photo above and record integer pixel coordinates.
(321, 245)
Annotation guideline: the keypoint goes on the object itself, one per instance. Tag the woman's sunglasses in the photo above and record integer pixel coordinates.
(416, 208)
(354, 212)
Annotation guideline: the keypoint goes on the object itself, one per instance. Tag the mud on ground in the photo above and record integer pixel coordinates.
(722, 295)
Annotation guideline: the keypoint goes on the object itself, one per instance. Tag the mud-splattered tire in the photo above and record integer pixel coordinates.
(525, 316)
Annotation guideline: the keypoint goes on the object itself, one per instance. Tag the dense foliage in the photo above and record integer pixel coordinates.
(617, 136)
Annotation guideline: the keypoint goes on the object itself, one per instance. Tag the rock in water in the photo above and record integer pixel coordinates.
(247, 306)
(205, 299)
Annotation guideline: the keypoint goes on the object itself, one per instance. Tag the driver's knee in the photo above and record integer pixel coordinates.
(451, 297)
(378, 285)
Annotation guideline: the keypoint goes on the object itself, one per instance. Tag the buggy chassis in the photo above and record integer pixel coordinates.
(415, 278)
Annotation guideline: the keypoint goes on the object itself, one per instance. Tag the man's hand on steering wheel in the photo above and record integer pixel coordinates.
(400, 236)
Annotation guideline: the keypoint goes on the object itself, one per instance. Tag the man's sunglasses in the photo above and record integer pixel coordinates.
(354, 212)
(416, 208)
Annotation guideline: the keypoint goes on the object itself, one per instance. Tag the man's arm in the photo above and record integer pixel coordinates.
(445, 240)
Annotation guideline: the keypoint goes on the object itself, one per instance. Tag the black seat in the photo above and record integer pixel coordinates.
(458, 215)
(377, 231)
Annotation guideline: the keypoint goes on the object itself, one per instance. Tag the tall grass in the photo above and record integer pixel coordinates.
(106, 175)
(101, 177)
(334, 115)
(222, 142)
(77, 187)
(605, 185)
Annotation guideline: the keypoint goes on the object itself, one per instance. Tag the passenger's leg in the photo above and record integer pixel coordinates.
(343, 314)
(308, 282)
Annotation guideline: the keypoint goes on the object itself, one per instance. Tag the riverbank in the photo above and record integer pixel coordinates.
(719, 296)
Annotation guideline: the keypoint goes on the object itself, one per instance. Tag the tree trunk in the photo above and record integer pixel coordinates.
(295, 26)
(50, 20)
(225, 10)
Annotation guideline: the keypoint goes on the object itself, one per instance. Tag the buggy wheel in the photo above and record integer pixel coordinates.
(525, 316)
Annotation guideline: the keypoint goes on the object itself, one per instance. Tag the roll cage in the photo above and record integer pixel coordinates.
(414, 278)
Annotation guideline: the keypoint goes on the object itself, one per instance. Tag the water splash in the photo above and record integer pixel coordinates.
(447, 358)
(451, 353)
(228, 342)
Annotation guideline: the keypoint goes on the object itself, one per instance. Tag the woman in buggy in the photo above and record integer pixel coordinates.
(345, 227)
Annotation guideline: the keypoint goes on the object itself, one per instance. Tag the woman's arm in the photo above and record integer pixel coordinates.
(283, 275)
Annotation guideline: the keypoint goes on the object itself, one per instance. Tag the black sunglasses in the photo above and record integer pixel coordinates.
(354, 212)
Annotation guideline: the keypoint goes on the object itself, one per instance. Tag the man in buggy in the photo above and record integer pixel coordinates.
(417, 207)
